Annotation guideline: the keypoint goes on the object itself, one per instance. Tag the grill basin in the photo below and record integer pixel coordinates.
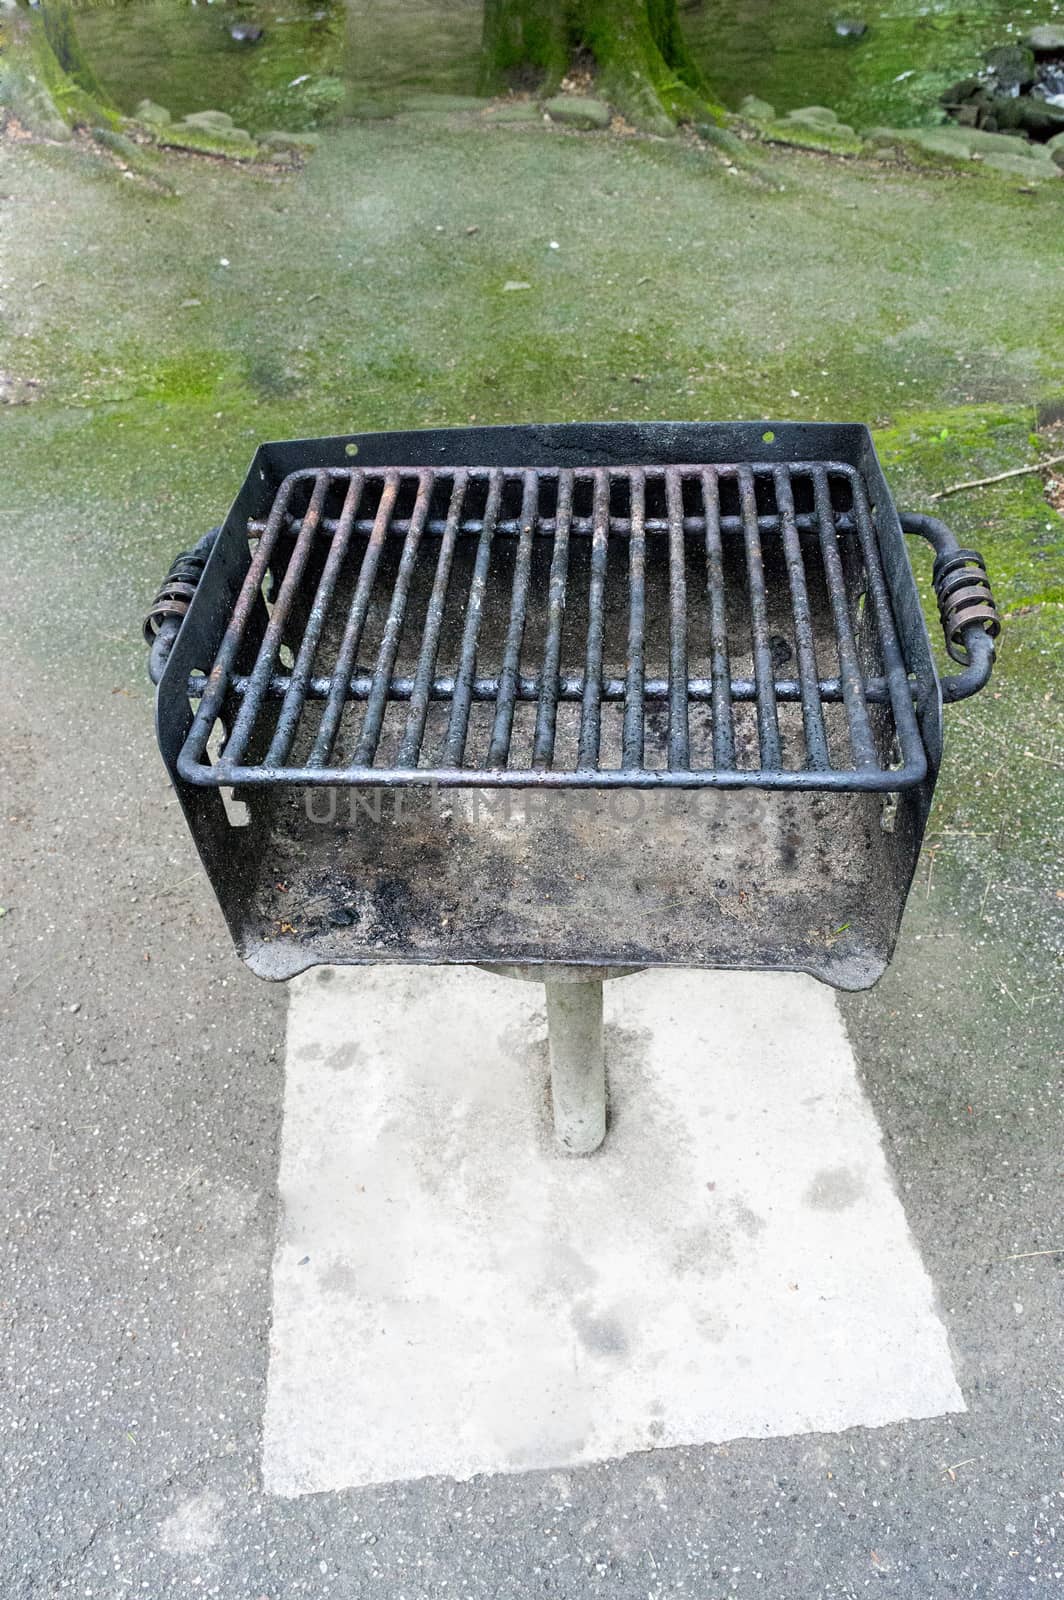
(605, 695)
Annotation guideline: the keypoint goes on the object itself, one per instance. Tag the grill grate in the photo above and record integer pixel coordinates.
(725, 625)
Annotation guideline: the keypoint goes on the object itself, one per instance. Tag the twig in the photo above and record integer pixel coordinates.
(1026, 1255)
(999, 477)
(1006, 990)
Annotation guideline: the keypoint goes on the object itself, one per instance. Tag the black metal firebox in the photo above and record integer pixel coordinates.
(603, 695)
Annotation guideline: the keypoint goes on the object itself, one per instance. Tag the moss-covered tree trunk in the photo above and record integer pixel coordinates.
(635, 48)
(45, 79)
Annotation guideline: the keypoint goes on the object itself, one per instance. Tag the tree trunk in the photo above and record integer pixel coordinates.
(635, 48)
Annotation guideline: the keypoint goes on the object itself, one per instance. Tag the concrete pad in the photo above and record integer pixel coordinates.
(452, 1296)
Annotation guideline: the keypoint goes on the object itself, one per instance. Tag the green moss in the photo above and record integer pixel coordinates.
(1020, 536)
(811, 136)
(206, 141)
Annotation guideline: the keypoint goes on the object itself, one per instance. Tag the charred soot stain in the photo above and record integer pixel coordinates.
(602, 1336)
(343, 1057)
(834, 1188)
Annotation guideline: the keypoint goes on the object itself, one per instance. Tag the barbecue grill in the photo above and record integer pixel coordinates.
(571, 698)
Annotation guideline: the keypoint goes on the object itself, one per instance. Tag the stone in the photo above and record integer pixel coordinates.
(1019, 167)
(982, 142)
(1046, 40)
(245, 32)
(850, 27)
(1011, 65)
(208, 119)
(427, 104)
(233, 143)
(965, 89)
(1056, 143)
(1057, 156)
(279, 139)
(756, 110)
(576, 111)
(836, 138)
(147, 111)
(821, 114)
(721, 139)
(512, 111)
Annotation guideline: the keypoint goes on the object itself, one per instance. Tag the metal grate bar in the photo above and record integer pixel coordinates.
(570, 687)
(369, 735)
(633, 737)
(454, 750)
(767, 521)
(296, 693)
(679, 740)
(768, 730)
(262, 671)
(816, 738)
(549, 685)
(421, 688)
(719, 664)
(855, 694)
(329, 726)
(502, 729)
(897, 679)
(637, 603)
(591, 704)
(250, 591)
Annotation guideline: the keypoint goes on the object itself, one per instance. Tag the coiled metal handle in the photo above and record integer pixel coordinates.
(175, 591)
(175, 595)
(970, 618)
(963, 592)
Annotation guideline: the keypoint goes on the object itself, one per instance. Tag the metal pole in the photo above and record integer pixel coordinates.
(577, 1065)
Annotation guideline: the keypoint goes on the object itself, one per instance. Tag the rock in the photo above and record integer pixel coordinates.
(154, 115)
(968, 115)
(1058, 156)
(980, 141)
(513, 111)
(967, 89)
(756, 110)
(1056, 143)
(427, 104)
(208, 119)
(820, 114)
(835, 137)
(245, 32)
(1036, 117)
(850, 27)
(722, 139)
(279, 139)
(576, 111)
(1012, 66)
(234, 143)
(1046, 40)
(1019, 167)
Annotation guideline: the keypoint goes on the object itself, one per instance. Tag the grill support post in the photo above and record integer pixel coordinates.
(577, 1064)
(574, 1038)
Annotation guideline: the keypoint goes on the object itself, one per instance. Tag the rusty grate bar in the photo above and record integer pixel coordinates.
(422, 685)
(723, 689)
(464, 589)
(549, 688)
(635, 675)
